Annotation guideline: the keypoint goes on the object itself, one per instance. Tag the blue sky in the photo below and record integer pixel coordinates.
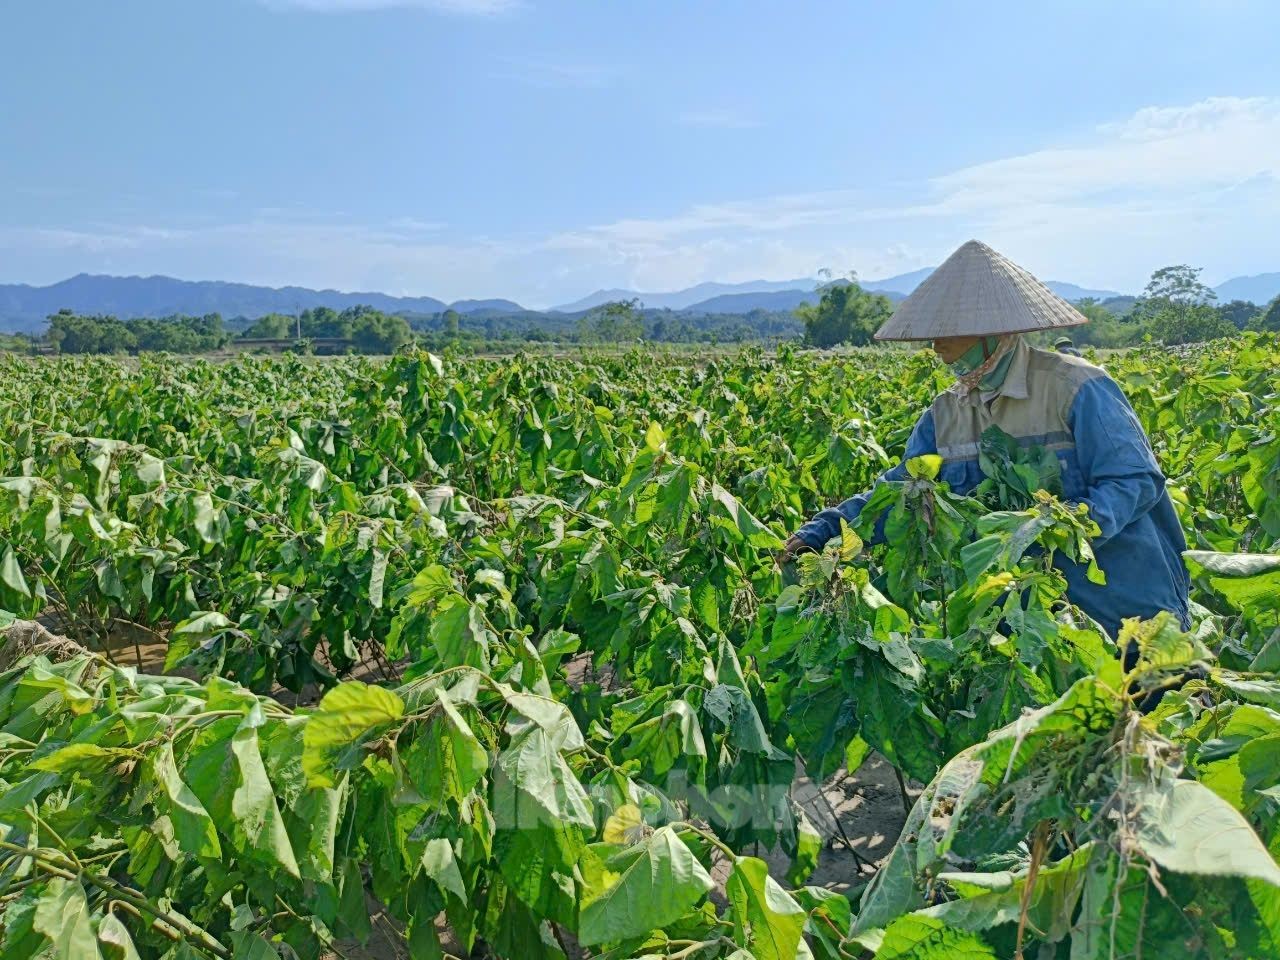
(539, 150)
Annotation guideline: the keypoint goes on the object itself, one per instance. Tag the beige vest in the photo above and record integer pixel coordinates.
(1032, 404)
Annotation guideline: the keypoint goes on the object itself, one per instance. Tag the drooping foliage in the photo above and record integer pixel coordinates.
(499, 650)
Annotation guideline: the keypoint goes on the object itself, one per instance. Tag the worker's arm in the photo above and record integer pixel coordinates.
(1121, 477)
(826, 524)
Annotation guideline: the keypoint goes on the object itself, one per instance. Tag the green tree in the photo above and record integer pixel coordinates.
(1177, 308)
(1268, 322)
(845, 314)
(1239, 312)
(1178, 284)
(452, 324)
(1105, 328)
(274, 326)
(615, 322)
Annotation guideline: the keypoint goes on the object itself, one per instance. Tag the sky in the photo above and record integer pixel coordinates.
(539, 150)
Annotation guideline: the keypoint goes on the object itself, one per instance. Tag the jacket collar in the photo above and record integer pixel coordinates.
(1014, 386)
(1015, 378)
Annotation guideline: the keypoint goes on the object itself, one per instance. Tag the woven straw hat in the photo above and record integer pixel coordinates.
(978, 292)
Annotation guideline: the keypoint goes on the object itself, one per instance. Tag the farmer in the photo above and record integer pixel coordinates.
(1064, 345)
(974, 309)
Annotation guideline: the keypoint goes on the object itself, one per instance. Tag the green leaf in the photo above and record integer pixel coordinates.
(347, 716)
(83, 758)
(253, 803)
(116, 942)
(191, 633)
(917, 937)
(459, 634)
(654, 437)
(203, 518)
(643, 888)
(538, 863)
(768, 920)
(192, 825)
(1184, 826)
(62, 915)
(1250, 582)
(247, 945)
(11, 573)
(808, 850)
(738, 520)
(534, 787)
(377, 577)
(441, 865)
(447, 760)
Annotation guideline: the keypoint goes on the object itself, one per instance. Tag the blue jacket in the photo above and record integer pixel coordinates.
(1070, 406)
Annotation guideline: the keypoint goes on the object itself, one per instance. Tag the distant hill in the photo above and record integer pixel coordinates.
(746, 302)
(1069, 291)
(1260, 289)
(486, 306)
(24, 307)
(903, 283)
(781, 294)
(684, 299)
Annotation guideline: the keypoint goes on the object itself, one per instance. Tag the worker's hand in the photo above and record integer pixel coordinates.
(793, 546)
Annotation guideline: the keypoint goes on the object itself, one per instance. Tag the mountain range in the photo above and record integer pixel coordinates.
(24, 307)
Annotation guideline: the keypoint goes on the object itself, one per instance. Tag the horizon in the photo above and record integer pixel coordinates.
(541, 152)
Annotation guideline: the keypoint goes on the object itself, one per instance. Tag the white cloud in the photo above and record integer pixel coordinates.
(469, 7)
(1198, 183)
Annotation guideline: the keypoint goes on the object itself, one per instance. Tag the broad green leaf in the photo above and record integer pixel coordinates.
(116, 942)
(204, 518)
(739, 521)
(534, 787)
(346, 717)
(918, 937)
(1250, 582)
(1185, 827)
(11, 573)
(446, 761)
(643, 888)
(538, 863)
(440, 864)
(247, 945)
(190, 633)
(808, 849)
(654, 438)
(62, 915)
(82, 758)
(193, 827)
(769, 922)
(253, 803)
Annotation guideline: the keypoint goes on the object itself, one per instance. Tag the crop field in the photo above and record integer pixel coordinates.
(492, 658)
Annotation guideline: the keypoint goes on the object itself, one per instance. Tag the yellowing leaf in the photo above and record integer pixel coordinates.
(623, 825)
(344, 719)
(924, 467)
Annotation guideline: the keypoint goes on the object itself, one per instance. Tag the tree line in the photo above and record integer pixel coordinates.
(1174, 308)
(362, 330)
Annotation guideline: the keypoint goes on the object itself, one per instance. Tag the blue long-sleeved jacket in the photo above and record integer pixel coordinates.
(1072, 407)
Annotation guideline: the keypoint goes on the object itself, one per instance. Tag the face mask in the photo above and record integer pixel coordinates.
(974, 357)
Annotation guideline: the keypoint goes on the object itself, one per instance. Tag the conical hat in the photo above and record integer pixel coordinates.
(977, 292)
